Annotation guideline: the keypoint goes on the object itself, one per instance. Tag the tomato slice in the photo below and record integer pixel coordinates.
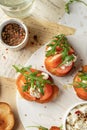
(61, 72)
(53, 61)
(71, 51)
(48, 91)
(20, 82)
(54, 128)
(81, 93)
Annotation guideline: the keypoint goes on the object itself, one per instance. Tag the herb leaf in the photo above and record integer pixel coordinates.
(32, 80)
(67, 8)
(39, 127)
(83, 76)
(62, 44)
(81, 85)
(59, 39)
(68, 58)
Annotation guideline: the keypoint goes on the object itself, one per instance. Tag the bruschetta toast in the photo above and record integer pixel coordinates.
(35, 85)
(80, 83)
(60, 56)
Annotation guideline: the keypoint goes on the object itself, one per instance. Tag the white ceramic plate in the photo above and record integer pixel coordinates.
(49, 114)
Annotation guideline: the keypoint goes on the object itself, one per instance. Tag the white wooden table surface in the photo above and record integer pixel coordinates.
(51, 10)
(46, 9)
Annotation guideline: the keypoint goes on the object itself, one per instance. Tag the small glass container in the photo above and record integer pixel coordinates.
(17, 8)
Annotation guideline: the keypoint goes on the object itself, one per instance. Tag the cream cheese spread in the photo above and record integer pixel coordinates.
(45, 75)
(77, 118)
(34, 92)
(69, 63)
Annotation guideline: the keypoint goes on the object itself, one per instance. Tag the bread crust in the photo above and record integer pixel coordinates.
(6, 117)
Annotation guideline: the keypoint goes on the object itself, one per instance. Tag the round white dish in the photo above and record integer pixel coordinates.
(52, 113)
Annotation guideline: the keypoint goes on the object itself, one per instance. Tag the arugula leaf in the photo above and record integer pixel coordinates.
(81, 85)
(39, 127)
(25, 88)
(42, 128)
(67, 8)
(60, 41)
(61, 127)
(64, 53)
(23, 69)
(83, 76)
(32, 80)
(68, 58)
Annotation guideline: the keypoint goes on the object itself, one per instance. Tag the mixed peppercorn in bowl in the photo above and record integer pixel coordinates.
(13, 34)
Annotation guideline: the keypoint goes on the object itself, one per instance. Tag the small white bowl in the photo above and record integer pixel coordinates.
(20, 23)
(69, 110)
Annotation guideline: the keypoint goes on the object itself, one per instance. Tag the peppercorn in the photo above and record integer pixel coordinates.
(13, 34)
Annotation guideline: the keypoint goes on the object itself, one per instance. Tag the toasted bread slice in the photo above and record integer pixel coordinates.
(6, 117)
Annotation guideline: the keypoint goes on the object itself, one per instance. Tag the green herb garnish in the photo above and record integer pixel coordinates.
(39, 127)
(83, 77)
(81, 85)
(32, 80)
(67, 59)
(61, 42)
(67, 8)
(61, 127)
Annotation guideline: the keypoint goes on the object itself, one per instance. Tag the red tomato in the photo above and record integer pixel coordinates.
(54, 128)
(20, 82)
(48, 91)
(52, 62)
(71, 51)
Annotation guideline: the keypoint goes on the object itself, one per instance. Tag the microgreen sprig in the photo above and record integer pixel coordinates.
(67, 59)
(81, 85)
(57, 42)
(83, 77)
(39, 127)
(67, 8)
(61, 42)
(32, 80)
